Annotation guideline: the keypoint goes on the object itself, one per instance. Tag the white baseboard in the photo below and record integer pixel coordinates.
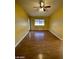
(56, 35)
(21, 39)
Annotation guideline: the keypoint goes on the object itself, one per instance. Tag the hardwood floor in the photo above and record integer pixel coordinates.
(40, 45)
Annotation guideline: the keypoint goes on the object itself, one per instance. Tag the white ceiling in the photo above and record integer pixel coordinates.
(29, 4)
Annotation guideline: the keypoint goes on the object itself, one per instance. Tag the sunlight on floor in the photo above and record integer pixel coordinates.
(40, 56)
(39, 35)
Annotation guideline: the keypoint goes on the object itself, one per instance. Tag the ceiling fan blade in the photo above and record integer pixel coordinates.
(47, 6)
(36, 7)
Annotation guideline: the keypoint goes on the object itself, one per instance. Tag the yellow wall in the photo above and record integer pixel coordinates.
(21, 23)
(56, 23)
(45, 27)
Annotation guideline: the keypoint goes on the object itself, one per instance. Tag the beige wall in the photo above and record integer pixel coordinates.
(21, 23)
(56, 23)
(33, 27)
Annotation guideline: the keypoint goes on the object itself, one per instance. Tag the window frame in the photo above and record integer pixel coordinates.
(40, 22)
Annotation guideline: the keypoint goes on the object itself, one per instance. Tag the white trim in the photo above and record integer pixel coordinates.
(56, 35)
(21, 39)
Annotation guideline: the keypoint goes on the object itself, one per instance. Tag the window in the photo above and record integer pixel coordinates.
(39, 22)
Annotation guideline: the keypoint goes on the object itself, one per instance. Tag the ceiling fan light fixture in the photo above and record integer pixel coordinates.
(41, 9)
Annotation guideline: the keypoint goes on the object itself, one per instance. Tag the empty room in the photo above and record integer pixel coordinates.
(38, 29)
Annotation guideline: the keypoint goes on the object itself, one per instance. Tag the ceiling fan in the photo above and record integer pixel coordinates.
(42, 6)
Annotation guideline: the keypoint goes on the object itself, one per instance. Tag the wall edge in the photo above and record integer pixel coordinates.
(21, 39)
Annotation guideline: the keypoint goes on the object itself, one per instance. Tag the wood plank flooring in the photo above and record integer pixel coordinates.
(40, 45)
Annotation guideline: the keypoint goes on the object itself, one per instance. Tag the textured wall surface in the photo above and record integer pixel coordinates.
(56, 23)
(22, 24)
